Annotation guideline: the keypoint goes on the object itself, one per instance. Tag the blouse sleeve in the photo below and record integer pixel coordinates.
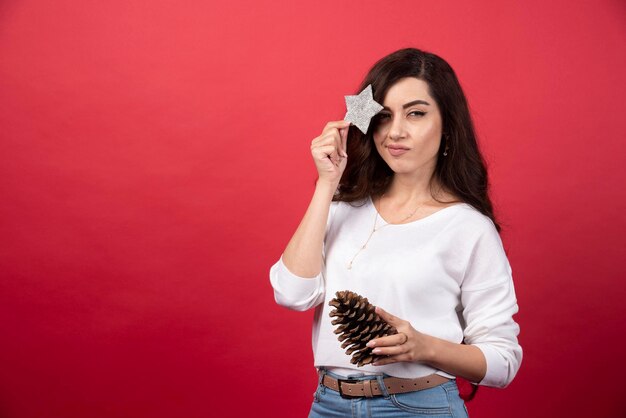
(489, 303)
(295, 292)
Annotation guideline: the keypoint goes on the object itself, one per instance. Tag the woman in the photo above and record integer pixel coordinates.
(401, 215)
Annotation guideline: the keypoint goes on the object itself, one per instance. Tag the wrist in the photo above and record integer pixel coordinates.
(432, 348)
(326, 186)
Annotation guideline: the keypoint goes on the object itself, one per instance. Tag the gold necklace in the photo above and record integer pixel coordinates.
(374, 229)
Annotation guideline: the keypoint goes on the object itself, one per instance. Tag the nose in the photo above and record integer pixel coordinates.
(396, 130)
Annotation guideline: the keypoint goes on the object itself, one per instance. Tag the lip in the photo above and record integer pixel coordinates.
(396, 150)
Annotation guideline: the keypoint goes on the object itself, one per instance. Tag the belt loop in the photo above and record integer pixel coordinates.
(367, 388)
(381, 384)
(321, 371)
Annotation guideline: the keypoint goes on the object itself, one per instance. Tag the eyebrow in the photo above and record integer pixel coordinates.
(409, 104)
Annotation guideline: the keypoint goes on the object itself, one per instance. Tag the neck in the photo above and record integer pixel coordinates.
(405, 189)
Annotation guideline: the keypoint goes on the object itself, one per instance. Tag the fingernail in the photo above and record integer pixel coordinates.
(371, 344)
(376, 350)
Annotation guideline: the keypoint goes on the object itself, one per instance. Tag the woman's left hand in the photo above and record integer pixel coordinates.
(407, 345)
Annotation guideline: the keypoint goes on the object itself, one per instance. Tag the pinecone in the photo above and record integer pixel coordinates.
(358, 324)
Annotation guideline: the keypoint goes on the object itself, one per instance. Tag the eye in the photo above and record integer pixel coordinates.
(418, 113)
(381, 119)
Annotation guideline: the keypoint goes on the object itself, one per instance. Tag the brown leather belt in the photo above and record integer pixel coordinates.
(370, 388)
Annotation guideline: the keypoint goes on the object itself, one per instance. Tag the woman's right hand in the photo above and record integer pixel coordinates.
(329, 151)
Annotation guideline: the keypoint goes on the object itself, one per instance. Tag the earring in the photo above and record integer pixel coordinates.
(445, 152)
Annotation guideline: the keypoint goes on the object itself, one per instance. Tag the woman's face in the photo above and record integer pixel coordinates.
(408, 130)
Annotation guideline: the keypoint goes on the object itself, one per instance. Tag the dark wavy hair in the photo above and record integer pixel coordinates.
(462, 172)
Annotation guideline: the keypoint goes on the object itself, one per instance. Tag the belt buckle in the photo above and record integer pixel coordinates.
(343, 395)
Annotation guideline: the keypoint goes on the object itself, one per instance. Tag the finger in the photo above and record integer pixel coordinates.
(328, 151)
(325, 142)
(391, 351)
(389, 318)
(332, 136)
(324, 139)
(343, 132)
(337, 124)
(389, 360)
(388, 341)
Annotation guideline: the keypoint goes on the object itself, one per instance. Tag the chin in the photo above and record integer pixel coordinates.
(409, 167)
(399, 168)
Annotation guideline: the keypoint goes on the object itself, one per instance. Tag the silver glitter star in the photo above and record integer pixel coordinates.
(362, 108)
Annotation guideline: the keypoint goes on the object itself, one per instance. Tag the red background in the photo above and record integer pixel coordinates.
(155, 162)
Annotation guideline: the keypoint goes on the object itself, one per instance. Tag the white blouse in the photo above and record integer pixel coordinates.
(447, 274)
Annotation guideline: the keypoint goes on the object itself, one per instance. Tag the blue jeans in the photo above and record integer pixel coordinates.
(441, 401)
